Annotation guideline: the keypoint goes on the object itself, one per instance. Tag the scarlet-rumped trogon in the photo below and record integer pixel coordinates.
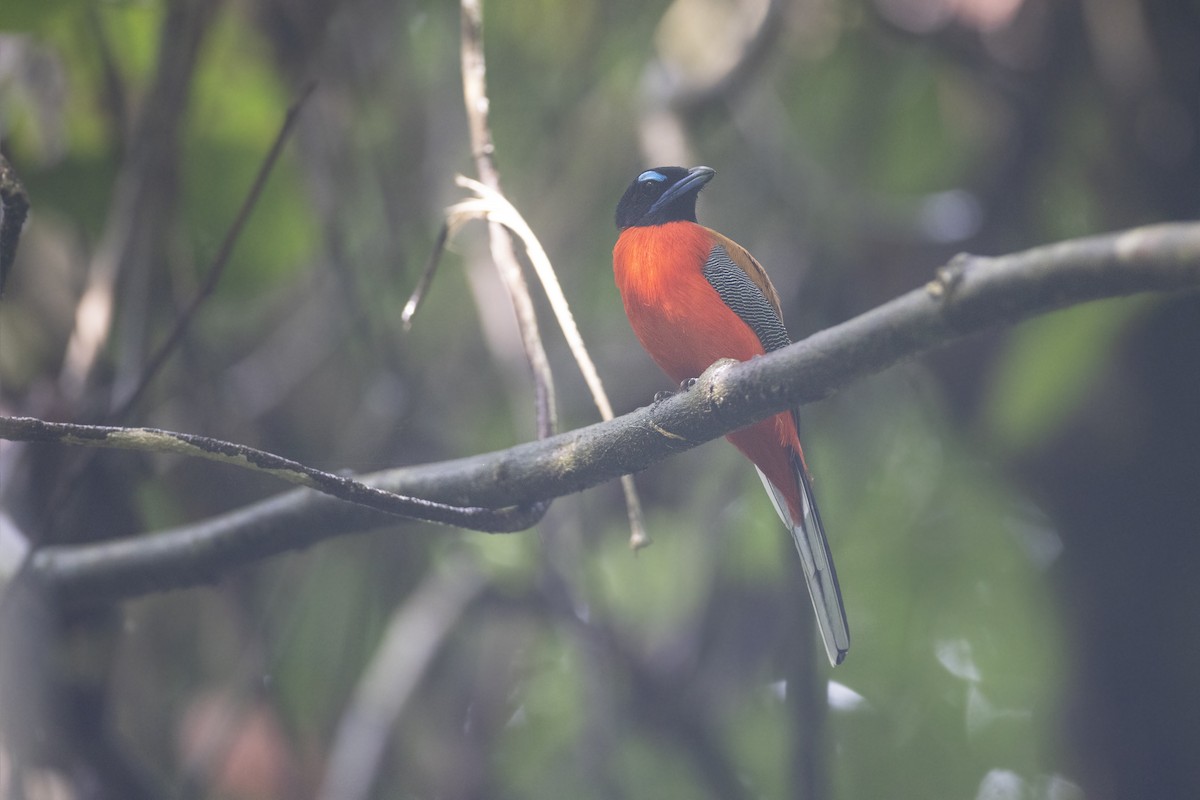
(694, 296)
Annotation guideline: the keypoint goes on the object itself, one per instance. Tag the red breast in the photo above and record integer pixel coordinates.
(685, 326)
(679, 318)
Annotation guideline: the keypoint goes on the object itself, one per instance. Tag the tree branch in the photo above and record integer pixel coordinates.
(969, 295)
(156, 440)
(492, 206)
(474, 75)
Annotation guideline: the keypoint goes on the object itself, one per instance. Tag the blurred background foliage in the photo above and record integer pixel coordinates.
(1015, 518)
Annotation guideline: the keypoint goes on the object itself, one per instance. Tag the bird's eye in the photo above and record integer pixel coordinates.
(651, 177)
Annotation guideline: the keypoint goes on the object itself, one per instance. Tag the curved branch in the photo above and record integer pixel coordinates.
(969, 295)
(474, 75)
(495, 207)
(156, 440)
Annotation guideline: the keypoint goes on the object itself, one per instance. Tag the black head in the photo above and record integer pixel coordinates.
(661, 195)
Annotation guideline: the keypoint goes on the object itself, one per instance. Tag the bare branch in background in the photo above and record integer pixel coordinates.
(668, 100)
(969, 295)
(690, 100)
(660, 702)
(144, 195)
(413, 637)
(219, 262)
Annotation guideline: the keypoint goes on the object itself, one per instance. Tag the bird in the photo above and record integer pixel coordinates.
(694, 296)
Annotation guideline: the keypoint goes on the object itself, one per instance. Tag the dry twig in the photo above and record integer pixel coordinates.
(493, 206)
(474, 71)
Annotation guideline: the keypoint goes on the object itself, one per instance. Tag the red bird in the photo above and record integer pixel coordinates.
(693, 297)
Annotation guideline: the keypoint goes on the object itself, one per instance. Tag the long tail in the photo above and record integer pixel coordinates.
(819, 573)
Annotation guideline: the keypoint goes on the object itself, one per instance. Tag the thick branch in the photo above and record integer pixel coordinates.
(970, 295)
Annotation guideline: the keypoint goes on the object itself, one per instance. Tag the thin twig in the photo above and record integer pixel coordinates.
(141, 212)
(970, 295)
(418, 293)
(495, 207)
(144, 195)
(28, 429)
(474, 70)
(220, 260)
(83, 347)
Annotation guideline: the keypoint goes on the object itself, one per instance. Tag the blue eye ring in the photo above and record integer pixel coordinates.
(651, 175)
